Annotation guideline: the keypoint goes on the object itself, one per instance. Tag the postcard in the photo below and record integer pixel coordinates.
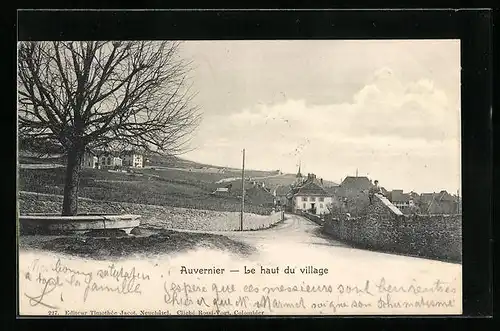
(239, 178)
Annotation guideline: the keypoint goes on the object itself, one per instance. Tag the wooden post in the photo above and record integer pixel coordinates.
(242, 191)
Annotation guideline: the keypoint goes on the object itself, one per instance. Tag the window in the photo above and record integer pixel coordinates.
(321, 199)
(304, 206)
(312, 199)
(304, 199)
(320, 205)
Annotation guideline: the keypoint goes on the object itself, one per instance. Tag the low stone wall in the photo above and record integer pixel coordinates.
(382, 228)
(154, 217)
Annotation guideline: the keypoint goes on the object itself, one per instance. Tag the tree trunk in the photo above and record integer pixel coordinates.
(72, 182)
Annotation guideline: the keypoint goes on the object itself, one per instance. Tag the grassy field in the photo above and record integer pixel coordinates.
(162, 188)
(176, 162)
(186, 176)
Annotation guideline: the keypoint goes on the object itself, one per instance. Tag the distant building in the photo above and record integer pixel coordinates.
(310, 196)
(439, 203)
(132, 159)
(225, 190)
(90, 160)
(258, 194)
(110, 160)
(353, 194)
(353, 186)
(222, 191)
(403, 201)
(280, 195)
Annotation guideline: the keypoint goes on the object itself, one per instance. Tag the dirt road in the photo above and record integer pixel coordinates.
(299, 239)
(295, 230)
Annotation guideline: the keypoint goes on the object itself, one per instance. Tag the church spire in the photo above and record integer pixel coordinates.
(299, 175)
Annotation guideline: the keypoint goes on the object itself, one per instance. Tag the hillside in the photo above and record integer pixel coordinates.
(174, 162)
(165, 181)
(271, 182)
(155, 161)
(162, 188)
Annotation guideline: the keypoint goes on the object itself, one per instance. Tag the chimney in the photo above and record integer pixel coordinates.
(321, 180)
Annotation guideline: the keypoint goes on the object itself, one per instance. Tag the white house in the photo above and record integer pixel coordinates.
(90, 160)
(109, 161)
(133, 159)
(310, 197)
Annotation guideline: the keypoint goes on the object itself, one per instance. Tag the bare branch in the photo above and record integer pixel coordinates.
(97, 94)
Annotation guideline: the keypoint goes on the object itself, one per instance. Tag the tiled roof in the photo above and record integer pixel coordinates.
(445, 196)
(441, 196)
(426, 197)
(311, 188)
(259, 195)
(398, 195)
(360, 183)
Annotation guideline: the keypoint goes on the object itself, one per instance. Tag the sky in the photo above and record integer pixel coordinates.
(389, 109)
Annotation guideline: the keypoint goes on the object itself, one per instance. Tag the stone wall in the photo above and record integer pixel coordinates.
(153, 217)
(383, 227)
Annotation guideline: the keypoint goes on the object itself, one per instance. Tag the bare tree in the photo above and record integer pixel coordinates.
(103, 95)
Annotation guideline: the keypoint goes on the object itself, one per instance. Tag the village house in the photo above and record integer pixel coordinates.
(110, 160)
(309, 196)
(280, 195)
(439, 203)
(133, 159)
(90, 160)
(353, 194)
(255, 193)
(224, 190)
(354, 186)
(260, 195)
(403, 201)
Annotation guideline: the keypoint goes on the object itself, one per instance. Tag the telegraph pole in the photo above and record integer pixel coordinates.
(242, 191)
